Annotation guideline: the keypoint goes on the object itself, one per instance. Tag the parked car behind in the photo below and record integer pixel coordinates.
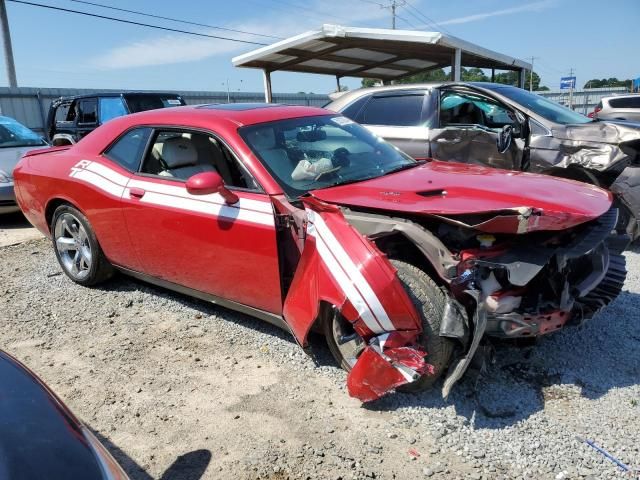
(504, 127)
(303, 218)
(15, 140)
(71, 118)
(39, 436)
(619, 107)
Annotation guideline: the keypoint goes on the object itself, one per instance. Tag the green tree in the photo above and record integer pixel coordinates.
(607, 82)
(473, 75)
(511, 78)
(437, 75)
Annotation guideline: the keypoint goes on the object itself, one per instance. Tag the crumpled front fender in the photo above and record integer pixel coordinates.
(343, 268)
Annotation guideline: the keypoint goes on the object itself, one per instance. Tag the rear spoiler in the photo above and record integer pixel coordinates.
(40, 151)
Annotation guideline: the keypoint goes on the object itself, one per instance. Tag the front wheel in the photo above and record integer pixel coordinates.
(77, 248)
(430, 302)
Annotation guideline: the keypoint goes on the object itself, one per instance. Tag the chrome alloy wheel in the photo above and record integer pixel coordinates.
(73, 247)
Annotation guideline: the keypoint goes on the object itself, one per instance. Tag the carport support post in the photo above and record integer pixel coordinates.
(337, 83)
(456, 65)
(521, 78)
(493, 74)
(268, 97)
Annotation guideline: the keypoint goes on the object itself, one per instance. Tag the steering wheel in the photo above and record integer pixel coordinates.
(340, 157)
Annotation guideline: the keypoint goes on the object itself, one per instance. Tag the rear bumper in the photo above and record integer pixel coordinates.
(8, 199)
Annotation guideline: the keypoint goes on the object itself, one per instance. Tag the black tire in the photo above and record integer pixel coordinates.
(430, 302)
(93, 271)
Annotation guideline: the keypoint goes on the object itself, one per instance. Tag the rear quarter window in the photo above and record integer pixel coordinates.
(625, 102)
(127, 151)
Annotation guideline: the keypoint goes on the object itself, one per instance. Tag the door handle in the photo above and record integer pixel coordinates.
(449, 140)
(136, 192)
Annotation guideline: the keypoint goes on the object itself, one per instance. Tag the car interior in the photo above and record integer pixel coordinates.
(460, 109)
(182, 155)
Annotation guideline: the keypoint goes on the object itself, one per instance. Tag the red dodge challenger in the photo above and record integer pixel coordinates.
(307, 220)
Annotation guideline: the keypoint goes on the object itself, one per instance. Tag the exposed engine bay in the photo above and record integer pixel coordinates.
(505, 285)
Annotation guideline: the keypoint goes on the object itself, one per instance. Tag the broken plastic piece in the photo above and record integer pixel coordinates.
(382, 368)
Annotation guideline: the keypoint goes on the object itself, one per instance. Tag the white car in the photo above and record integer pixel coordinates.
(15, 141)
(619, 107)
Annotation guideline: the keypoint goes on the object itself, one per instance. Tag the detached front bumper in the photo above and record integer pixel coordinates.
(8, 198)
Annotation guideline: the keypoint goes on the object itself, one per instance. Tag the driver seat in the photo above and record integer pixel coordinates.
(277, 159)
(181, 159)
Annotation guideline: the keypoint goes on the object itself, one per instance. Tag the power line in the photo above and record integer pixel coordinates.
(140, 24)
(188, 22)
(429, 20)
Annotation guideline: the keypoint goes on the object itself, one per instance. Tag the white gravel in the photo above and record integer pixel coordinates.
(181, 389)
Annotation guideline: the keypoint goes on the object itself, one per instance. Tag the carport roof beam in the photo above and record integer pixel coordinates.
(372, 53)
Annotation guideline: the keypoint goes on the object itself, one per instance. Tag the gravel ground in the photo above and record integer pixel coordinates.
(181, 389)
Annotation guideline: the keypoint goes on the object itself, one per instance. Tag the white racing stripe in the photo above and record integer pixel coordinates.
(354, 274)
(116, 184)
(348, 276)
(345, 282)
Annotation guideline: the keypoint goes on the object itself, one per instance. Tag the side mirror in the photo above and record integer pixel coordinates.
(504, 138)
(206, 183)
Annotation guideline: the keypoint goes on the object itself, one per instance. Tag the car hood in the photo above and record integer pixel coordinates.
(9, 157)
(487, 199)
(613, 132)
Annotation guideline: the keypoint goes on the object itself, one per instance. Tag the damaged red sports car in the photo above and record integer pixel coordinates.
(305, 219)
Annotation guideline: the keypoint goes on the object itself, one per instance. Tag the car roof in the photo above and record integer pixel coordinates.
(348, 97)
(240, 114)
(114, 94)
(621, 95)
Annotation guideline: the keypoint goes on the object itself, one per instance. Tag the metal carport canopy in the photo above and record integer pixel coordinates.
(373, 53)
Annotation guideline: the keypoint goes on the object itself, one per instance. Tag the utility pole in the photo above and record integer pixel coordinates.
(393, 14)
(531, 74)
(571, 90)
(8, 50)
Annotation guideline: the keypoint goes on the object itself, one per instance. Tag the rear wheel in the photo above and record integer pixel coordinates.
(77, 248)
(430, 302)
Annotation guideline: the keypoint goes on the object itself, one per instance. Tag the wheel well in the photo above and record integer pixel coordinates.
(51, 207)
(399, 247)
(574, 173)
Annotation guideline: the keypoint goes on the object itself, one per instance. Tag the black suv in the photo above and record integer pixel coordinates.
(71, 118)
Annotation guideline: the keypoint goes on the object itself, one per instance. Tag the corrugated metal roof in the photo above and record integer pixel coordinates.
(371, 52)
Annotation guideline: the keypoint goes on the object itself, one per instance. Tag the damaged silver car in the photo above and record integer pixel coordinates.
(504, 127)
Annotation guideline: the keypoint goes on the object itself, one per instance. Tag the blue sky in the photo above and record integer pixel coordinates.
(53, 49)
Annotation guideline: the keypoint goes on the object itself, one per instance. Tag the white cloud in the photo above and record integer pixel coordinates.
(179, 48)
(529, 7)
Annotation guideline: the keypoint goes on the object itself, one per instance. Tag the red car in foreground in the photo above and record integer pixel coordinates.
(303, 218)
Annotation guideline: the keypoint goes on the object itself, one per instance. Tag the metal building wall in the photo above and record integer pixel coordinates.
(584, 101)
(30, 105)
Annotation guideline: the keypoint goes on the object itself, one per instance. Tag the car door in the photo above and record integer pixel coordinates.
(469, 124)
(398, 117)
(199, 241)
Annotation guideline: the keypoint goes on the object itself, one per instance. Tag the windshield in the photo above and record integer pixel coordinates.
(142, 103)
(14, 134)
(305, 154)
(545, 108)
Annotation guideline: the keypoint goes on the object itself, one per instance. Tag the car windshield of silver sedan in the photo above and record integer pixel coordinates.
(552, 111)
(309, 153)
(14, 134)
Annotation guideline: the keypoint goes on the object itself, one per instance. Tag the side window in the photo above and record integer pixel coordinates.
(64, 113)
(128, 149)
(399, 111)
(469, 109)
(353, 109)
(182, 154)
(625, 102)
(111, 107)
(88, 111)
